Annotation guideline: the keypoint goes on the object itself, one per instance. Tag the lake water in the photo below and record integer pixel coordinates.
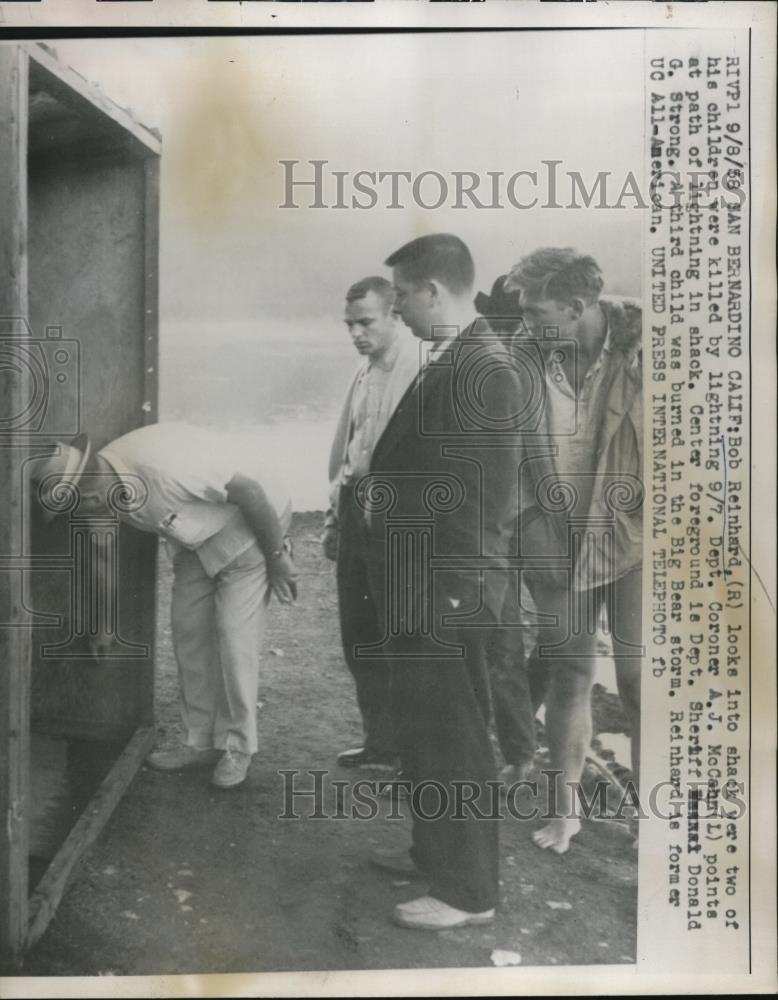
(274, 387)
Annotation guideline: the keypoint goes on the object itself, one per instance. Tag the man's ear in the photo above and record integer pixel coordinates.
(435, 290)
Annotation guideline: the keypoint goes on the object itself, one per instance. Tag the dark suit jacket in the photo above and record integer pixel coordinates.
(448, 460)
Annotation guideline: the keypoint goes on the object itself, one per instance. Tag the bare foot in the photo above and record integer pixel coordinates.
(512, 773)
(557, 835)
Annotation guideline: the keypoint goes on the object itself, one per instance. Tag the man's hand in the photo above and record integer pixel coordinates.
(283, 578)
(329, 542)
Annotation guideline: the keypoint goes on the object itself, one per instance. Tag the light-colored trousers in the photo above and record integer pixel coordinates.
(218, 623)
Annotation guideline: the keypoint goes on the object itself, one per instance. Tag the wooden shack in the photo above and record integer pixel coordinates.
(78, 354)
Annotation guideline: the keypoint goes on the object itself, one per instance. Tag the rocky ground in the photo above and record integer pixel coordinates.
(186, 878)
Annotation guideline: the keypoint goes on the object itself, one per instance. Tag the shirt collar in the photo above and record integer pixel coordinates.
(607, 346)
(435, 347)
(605, 350)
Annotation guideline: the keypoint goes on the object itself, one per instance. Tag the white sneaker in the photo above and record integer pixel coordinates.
(231, 769)
(430, 914)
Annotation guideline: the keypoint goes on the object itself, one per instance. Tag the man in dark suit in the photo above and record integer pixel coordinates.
(440, 503)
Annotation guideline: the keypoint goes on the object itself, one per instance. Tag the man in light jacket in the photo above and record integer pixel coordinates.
(388, 365)
(582, 503)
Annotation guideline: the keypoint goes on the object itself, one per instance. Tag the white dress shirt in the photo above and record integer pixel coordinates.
(368, 413)
(178, 475)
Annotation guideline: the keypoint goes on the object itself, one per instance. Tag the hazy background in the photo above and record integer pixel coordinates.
(251, 295)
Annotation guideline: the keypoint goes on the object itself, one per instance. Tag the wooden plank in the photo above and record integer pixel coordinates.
(76, 93)
(14, 642)
(151, 293)
(51, 888)
(150, 407)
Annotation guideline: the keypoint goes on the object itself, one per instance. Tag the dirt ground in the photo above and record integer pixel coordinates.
(187, 878)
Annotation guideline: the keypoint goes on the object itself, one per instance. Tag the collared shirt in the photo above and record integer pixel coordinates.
(176, 477)
(404, 372)
(369, 411)
(369, 415)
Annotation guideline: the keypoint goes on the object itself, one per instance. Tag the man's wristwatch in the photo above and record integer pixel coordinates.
(286, 549)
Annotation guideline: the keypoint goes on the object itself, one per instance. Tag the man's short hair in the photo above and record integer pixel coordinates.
(558, 273)
(439, 257)
(374, 283)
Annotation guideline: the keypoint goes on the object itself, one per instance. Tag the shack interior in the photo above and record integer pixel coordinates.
(88, 342)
